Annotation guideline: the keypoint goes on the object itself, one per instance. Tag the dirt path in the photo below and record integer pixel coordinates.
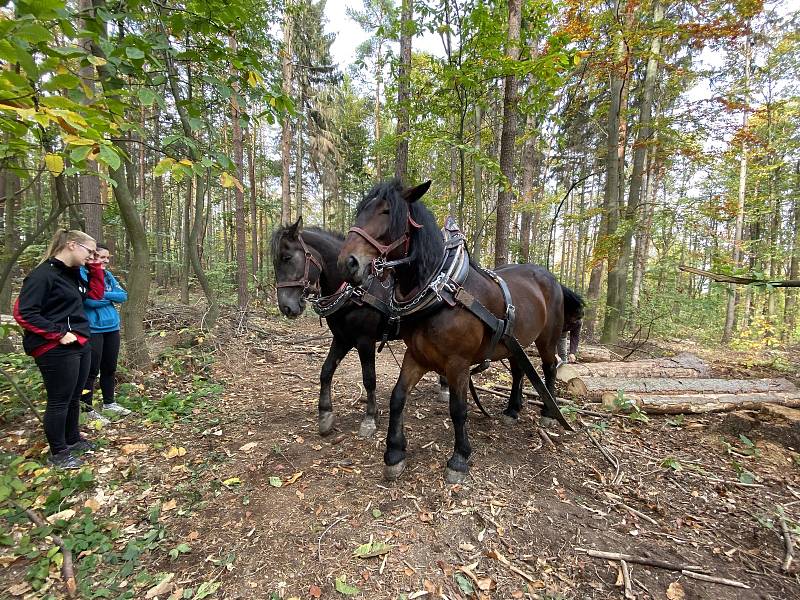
(532, 508)
(511, 531)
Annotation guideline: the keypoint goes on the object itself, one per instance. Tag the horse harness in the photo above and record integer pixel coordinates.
(445, 288)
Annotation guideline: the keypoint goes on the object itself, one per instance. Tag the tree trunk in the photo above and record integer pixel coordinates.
(595, 388)
(654, 404)
(403, 87)
(89, 183)
(790, 308)
(477, 174)
(730, 313)
(158, 205)
(508, 138)
(238, 161)
(286, 125)
(9, 190)
(617, 131)
(251, 165)
(185, 239)
(682, 365)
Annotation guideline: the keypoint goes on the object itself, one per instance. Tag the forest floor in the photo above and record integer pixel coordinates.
(228, 491)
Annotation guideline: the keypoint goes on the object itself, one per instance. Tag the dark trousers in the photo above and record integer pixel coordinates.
(64, 370)
(105, 352)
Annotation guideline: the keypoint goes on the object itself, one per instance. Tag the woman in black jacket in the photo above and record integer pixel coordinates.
(50, 310)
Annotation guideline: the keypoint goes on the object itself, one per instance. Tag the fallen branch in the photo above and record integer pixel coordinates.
(67, 569)
(612, 460)
(626, 579)
(650, 562)
(546, 439)
(787, 542)
(21, 394)
(720, 278)
(719, 580)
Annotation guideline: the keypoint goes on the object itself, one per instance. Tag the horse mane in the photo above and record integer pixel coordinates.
(282, 230)
(573, 305)
(426, 246)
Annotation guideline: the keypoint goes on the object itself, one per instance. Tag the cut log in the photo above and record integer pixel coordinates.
(593, 388)
(683, 365)
(663, 404)
(595, 354)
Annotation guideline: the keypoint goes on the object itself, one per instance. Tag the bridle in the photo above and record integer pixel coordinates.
(380, 262)
(309, 288)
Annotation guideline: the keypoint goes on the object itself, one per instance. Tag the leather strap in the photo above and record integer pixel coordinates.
(305, 282)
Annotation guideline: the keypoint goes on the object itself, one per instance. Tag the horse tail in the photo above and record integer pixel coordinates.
(573, 305)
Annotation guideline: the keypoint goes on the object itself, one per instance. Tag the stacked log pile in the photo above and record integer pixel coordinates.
(674, 385)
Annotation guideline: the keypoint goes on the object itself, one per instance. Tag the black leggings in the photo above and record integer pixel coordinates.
(64, 370)
(105, 351)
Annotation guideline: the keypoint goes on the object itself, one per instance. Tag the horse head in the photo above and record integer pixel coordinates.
(297, 266)
(389, 223)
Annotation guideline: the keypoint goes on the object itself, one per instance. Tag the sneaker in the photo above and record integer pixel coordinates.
(117, 408)
(65, 460)
(82, 445)
(93, 415)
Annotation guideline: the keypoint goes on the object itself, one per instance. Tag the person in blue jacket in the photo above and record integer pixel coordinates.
(104, 324)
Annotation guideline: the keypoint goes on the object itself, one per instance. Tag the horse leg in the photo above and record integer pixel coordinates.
(339, 348)
(511, 413)
(547, 352)
(444, 390)
(457, 466)
(395, 456)
(366, 353)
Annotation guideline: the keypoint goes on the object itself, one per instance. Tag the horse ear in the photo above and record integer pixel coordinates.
(413, 194)
(295, 229)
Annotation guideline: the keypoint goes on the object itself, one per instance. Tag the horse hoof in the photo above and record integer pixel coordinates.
(452, 476)
(367, 428)
(548, 422)
(444, 397)
(509, 420)
(326, 422)
(392, 472)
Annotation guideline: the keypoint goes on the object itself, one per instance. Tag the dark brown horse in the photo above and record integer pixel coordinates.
(305, 265)
(392, 226)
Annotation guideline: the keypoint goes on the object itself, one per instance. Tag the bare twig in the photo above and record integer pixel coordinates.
(719, 580)
(319, 542)
(21, 394)
(651, 562)
(787, 542)
(67, 570)
(546, 440)
(609, 457)
(626, 578)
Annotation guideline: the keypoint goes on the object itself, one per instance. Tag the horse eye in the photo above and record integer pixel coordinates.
(385, 211)
(286, 257)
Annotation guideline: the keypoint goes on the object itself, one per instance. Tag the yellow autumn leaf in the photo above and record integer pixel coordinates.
(230, 482)
(293, 478)
(169, 505)
(55, 164)
(74, 140)
(174, 452)
(185, 162)
(254, 79)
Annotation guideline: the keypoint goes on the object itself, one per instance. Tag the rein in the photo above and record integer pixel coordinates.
(309, 287)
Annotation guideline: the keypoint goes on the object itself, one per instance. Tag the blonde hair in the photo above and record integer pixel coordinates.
(61, 238)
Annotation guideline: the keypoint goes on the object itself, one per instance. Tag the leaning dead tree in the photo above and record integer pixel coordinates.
(721, 278)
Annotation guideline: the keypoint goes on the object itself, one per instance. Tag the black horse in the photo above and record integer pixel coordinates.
(305, 264)
(392, 227)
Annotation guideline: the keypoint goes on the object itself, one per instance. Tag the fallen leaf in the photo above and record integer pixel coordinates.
(418, 594)
(249, 446)
(174, 452)
(131, 448)
(231, 481)
(372, 549)
(65, 515)
(675, 591)
(193, 536)
(314, 591)
(7, 560)
(92, 504)
(293, 478)
(164, 586)
(275, 481)
(169, 505)
(344, 588)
